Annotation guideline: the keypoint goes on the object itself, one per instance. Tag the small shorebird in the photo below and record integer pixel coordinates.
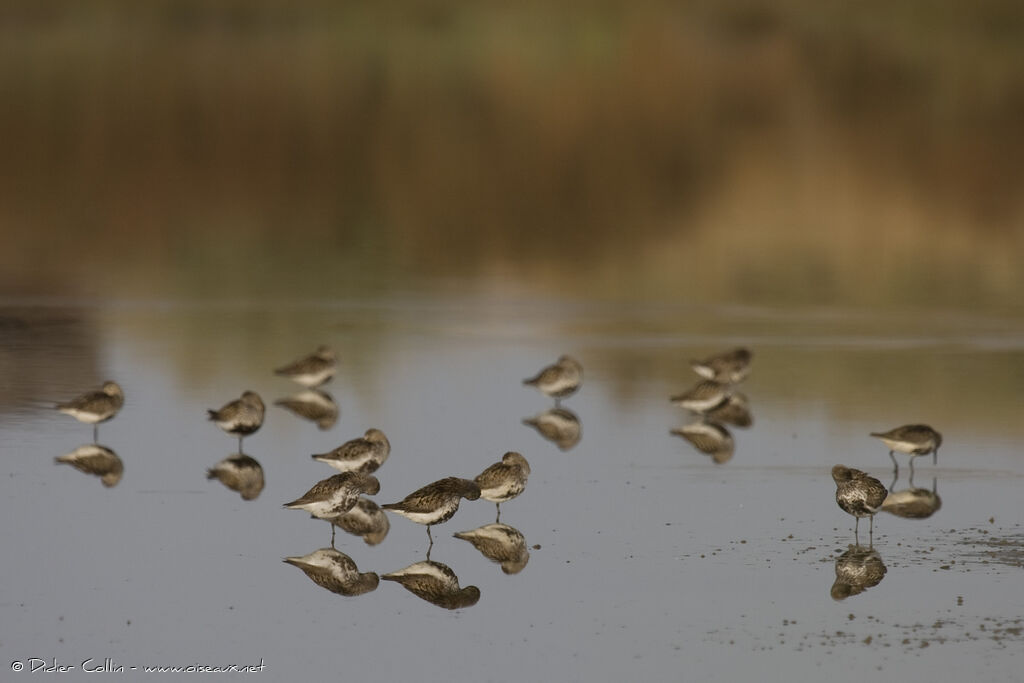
(499, 543)
(858, 494)
(558, 425)
(95, 459)
(242, 416)
(559, 380)
(313, 370)
(334, 495)
(95, 406)
(335, 571)
(436, 583)
(364, 454)
(729, 367)
(709, 438)
(312, 404)
(703, 397)
(857, 570)
(239, 473)
(436, 502)
(503, 480)
(913, 439)
(365, 519)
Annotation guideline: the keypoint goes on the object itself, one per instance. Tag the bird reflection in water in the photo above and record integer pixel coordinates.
(709, 438)
(499, 543)
(335, 571)
(365, 519)
(734, 411)
(436, 583)
(912, 503)
(313, 405)
(560, 426)
(240, 473)
(857, 569)
(97, 460)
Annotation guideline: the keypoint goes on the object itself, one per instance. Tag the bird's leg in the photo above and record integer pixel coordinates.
(895, 465)
(332, 534)
(240, 444)
(871, 532)
(935, 456)
(895, 477)
(856, 525)
(498, 507)
(96, 433)
(429, 536)
(911, 471)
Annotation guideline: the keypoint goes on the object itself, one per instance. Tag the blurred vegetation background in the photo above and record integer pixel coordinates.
(751, 151)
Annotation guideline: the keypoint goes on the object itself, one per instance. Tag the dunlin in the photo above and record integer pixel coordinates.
(335, 571)
(334, 495)
(558, 425)
(436, 502)
(313, 370)
(703, 397)
(857, 570)
(364, 519)
(559, 380)
(858, 494)
(313, 405)
(504, 480)
(709, 438)
(913, 439)
(95, 459)
(364, 454)
(239, 473)
(436, 583)
(499, 543)
(242, 416)
(95, 406)
(729, 367)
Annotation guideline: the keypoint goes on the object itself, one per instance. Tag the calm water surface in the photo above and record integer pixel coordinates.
(647, 560)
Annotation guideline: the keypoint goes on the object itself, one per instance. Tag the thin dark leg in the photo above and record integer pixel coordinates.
(871, 532)
(96, 432)
(240, 443)
(895, 476)
(935, 456)
(498, 508)
(429, 536)
(895, 465)
(332, 534)
(856, 526)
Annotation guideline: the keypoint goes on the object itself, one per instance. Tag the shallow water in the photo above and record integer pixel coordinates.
(647, 560)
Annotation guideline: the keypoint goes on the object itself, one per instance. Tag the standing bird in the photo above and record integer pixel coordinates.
(858, 494)
(313, 370)
(703, 397)
(436, 583)
(729, 367)
(335, 571)
(95, 459)
(364, 454)
(242, 416)
(335, 495)
(559, 380)
(913, 439)
(239, 473)
(504, 480)
(95, 406)
(435, 503)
